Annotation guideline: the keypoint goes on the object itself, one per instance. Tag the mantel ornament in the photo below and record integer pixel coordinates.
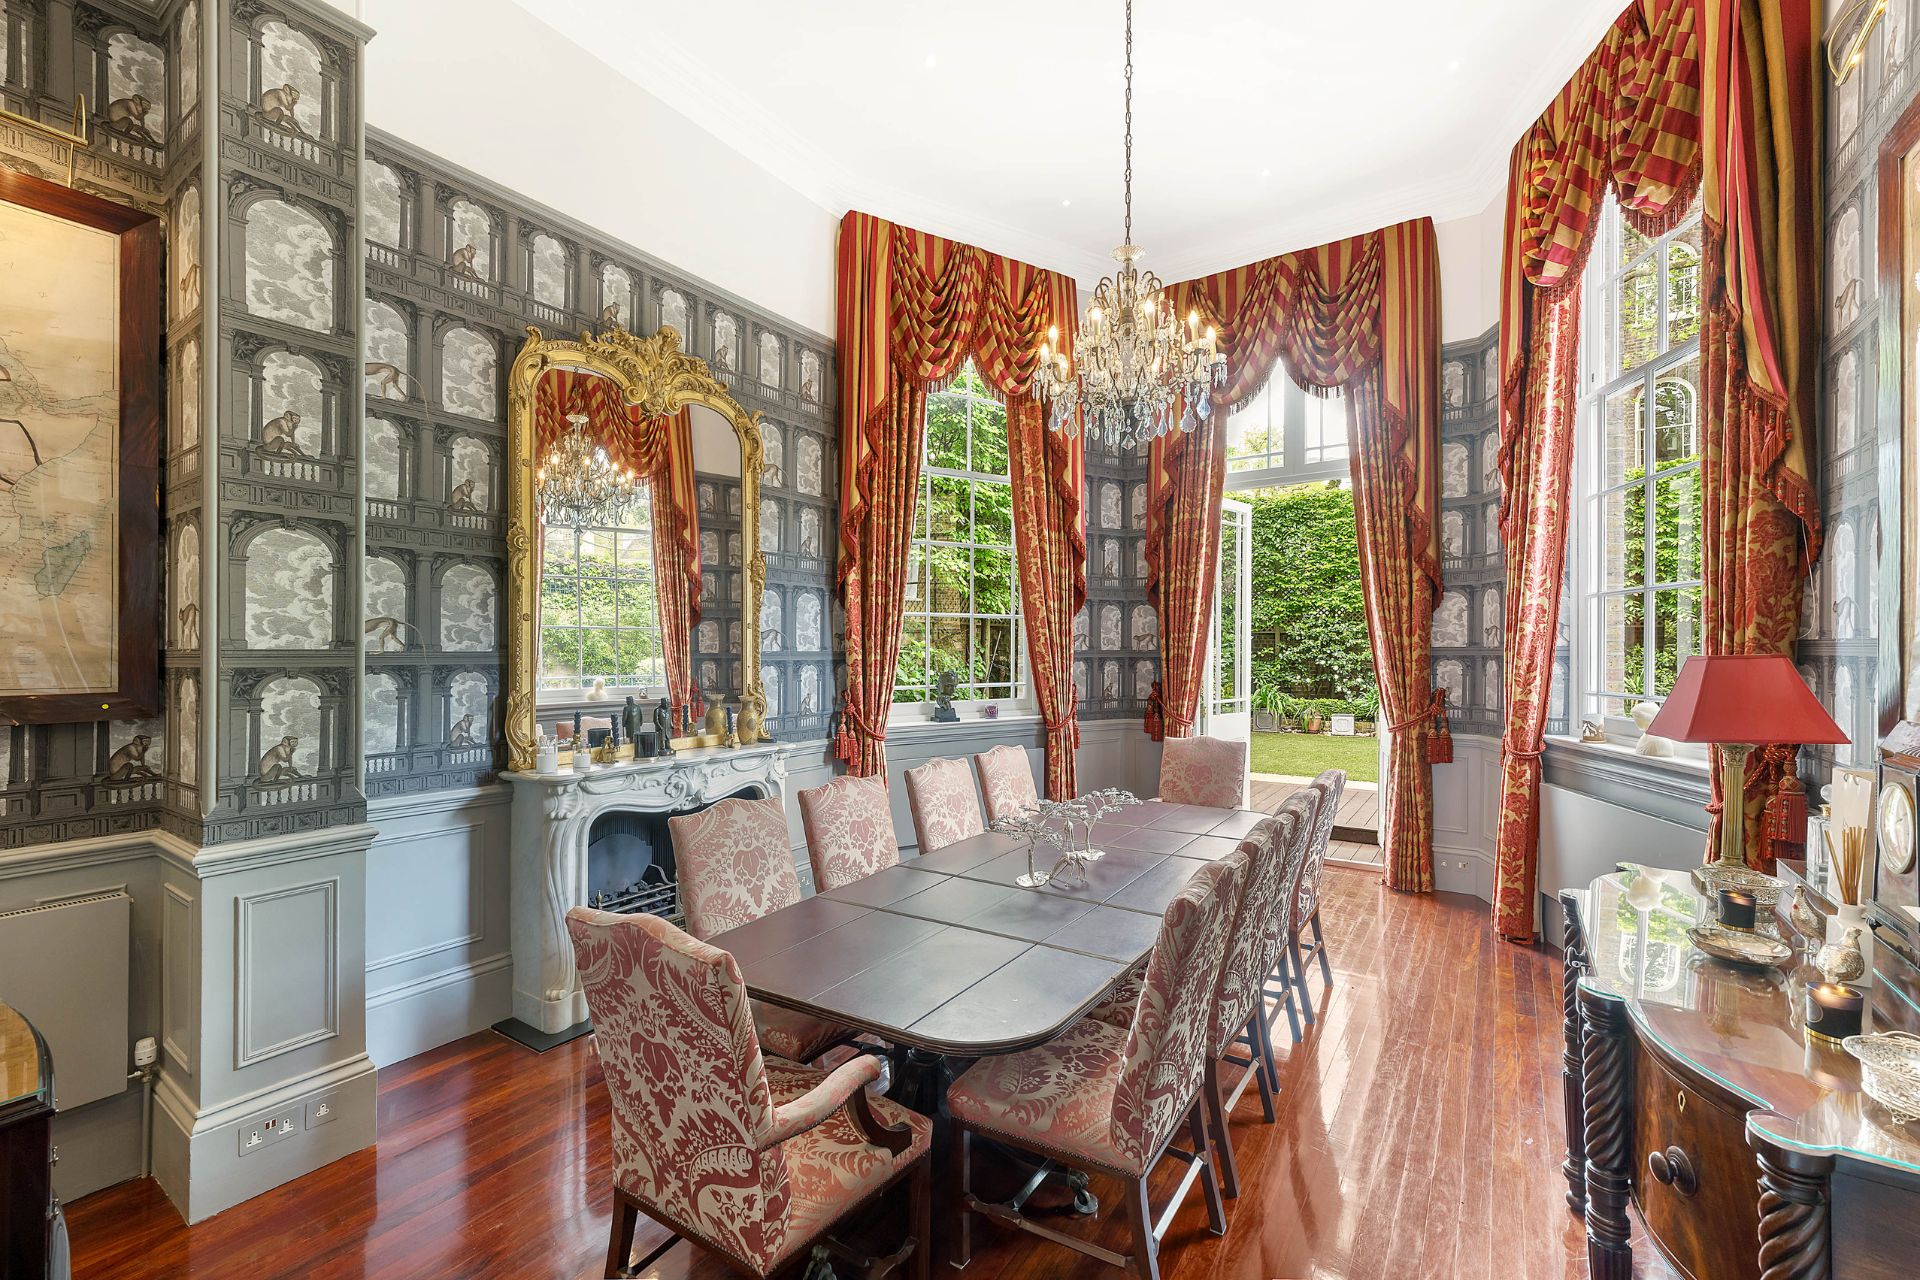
(658, 378)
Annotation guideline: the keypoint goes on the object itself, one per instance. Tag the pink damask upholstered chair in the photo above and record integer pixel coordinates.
(734, 865)
(752, 1158)
(1204, 771)
(1109, 1099)
(945, 805)
(849, 826)
(1006, 782)
(1295, 852)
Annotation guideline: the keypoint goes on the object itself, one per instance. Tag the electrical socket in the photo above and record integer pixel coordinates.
(264, 1131)
(321, 1110)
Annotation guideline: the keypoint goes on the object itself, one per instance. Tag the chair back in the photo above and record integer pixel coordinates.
(734, 864)
(1331, 785)
(1253, 941)
(1204, 771)
(849, 827)
(945, 805)
(1167, 1045)
(692, 1107)
(1006, 782)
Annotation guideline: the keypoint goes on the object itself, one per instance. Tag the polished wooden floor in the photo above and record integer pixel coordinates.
(1419, 1136)
(1356, 832)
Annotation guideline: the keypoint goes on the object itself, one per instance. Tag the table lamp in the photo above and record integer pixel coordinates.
(1739, 702)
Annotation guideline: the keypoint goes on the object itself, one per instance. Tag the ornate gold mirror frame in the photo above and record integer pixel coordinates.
(659, 378)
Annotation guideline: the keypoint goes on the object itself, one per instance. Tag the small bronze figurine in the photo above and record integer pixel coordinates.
(633, 719)
(943, 711)
(663, 726)
(733, 738)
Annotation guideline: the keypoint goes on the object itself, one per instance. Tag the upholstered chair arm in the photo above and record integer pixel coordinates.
(845, 1084)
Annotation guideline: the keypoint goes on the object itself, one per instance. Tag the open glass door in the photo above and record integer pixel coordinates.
(1228, 693)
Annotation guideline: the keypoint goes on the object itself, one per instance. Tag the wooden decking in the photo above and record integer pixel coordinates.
(1356, 828)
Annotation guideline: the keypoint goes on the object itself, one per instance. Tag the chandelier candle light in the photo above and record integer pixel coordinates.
(1138, 375)
(579, 485)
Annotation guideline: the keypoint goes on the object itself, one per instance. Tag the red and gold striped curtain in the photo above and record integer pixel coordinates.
(1362, 314)
(912, 309)
(660, 450)
(1759, 343)
(1629, 120)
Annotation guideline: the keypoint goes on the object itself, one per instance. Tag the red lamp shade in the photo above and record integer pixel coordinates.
(1756, 699)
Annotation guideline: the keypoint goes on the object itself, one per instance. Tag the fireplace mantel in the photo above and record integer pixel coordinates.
(552, 815)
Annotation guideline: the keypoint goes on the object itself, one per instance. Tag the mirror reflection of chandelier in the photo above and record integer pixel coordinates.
(1134, 372)
(579, 485)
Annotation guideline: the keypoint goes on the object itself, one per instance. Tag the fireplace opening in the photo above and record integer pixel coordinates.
(630, 865)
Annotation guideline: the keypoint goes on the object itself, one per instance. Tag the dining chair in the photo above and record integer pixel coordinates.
(849, 826)
(1294, 850)
(1204, 771)
(1331, 784)
(1006, 782)
(944, 802)
(1110, 1100)
(734, 864)
(750, 1157)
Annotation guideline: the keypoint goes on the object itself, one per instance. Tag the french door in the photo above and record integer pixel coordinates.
(1227, 693)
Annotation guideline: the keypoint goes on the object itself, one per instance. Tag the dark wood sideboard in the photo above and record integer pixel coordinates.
(26, 1151)
(1693, 1096)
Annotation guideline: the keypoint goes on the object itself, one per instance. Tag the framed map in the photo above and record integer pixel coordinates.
(80, 319)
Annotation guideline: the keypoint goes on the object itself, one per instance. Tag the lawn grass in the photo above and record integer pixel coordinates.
(1305, 754)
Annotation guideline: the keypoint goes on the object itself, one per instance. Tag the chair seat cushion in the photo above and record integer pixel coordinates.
(1117, 1006)
(797, 1037)
(1058, 1096)
(831, 1167)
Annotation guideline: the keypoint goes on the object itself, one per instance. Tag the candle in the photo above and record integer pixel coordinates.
(1736, 909)
(1834, 1010)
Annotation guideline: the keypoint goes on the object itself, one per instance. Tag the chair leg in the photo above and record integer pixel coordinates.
(960, 1143)
(920, 1197)
(1320, 948)
(1260, 1049)
(1282, 970)
(1216, 1209)
(1146, 1250)
(620, 1244)
(1300, 979)
(1216, 1105)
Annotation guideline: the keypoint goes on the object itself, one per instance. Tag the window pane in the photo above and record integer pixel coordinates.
(915, 592)
(993, 513)
(1676, 414)
(1623, 644)
(635, 605)
(947, 431)
(598, 659)
(950, 574)
(990, 437)
(947, 648)
(636, 553)
(968, 380)
(1626, 441)
(1676, 621)
(1326, 427)
(596, 602)
(992, 581)
(947, 510)
(559, 601)
(1676, 527)
(909, 681)
(1683, 286)
(1253, 433)
(560, 659)
(1632, 243)
(596, 551)
(557, 550)
(993, 652)
(1639, 315)
(1623, 530)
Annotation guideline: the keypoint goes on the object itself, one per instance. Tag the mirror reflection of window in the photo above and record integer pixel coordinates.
(599, 612)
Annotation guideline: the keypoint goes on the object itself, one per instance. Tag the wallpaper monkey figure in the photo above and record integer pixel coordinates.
(277, 106)
(278, 437)
(461, 735)
(276, 765)
(610, 316)
(461, 263)
(190, 625)
(390, 380)
(129, 763)
(129, 116)
(383, 630)
(461, 499)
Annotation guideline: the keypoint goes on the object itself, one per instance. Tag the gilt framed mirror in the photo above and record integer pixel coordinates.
(603, 599)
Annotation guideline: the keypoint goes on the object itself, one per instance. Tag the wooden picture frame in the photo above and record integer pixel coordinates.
(124, 684)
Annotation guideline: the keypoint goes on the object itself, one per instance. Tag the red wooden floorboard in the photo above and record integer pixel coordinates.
(1419, 1134)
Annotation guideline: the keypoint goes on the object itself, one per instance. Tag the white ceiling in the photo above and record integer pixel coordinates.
(1259, 127)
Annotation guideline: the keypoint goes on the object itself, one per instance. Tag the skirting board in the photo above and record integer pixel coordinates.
(424, 1014)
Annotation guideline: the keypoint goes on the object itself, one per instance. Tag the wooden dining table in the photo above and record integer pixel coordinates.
(946, 954)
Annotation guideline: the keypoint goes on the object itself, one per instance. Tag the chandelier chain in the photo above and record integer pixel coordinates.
(1127, 174)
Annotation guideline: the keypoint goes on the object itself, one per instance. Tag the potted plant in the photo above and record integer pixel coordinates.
(1290, 709)
(1266, 708)
(1314, 715)
(1366, 713)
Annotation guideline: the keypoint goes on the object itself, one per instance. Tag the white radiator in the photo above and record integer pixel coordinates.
(64, 967)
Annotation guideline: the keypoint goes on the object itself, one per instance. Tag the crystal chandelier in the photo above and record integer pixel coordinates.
(1134, 371)
(579, 486)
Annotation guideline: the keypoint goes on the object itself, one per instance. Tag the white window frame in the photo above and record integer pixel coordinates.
(546, 695)
(1596, 383)
(1289, 467)
(1021, 702)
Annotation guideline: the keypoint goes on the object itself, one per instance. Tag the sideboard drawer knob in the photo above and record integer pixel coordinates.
(1658, 1166)
(1680, 1172)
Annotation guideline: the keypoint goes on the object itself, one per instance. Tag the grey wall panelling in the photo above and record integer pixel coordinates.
(1469, 619)
(1116, 638)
